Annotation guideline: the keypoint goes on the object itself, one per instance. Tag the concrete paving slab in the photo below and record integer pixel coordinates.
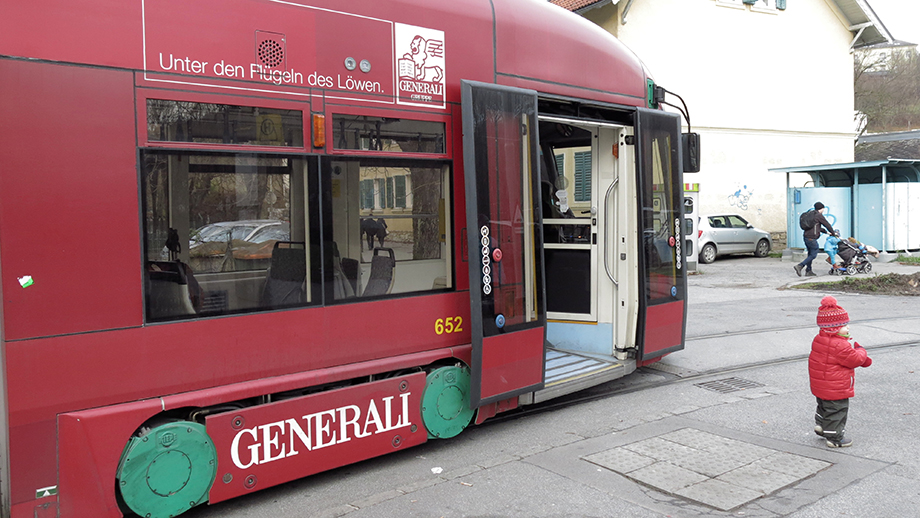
(760, 479)
(620, 460)
(718, 494)
(782, 478)
(659, 449)
(793, 465)
(667, 477)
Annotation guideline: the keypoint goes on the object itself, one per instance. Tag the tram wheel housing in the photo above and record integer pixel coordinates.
(446, 402)
(167, 470)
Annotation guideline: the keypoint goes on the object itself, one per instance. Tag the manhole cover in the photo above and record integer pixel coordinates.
(724, 386)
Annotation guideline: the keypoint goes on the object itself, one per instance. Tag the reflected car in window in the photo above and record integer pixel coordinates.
(723, 234)
(250, 241)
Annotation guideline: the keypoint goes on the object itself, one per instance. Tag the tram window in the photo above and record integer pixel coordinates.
(389, 222)
(386, 134)
(659, 212)
(227, 233)
(180, 121)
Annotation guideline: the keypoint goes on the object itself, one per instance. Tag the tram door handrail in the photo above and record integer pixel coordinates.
(616, 181)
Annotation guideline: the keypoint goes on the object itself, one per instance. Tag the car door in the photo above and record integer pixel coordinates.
(722, 234)
(744, 235)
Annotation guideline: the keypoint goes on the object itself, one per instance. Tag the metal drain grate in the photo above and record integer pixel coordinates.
(728, 385)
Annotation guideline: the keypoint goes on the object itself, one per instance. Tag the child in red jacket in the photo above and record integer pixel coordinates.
(831, 366)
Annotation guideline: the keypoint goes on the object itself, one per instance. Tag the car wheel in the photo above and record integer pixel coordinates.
(763, 248)
(708, 253)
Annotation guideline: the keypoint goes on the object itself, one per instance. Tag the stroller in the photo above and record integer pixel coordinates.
(854, 257)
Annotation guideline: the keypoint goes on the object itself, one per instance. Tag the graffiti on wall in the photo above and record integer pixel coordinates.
(740, 197)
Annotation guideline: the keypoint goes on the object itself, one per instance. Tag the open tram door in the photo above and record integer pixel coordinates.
(662, 269)
(507, 299)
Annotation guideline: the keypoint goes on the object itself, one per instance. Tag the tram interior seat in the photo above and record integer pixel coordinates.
(285, 279)
(345, 274)
(171, 289)
(382, 273)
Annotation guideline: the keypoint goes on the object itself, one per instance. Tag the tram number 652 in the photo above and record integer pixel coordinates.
(448, 325)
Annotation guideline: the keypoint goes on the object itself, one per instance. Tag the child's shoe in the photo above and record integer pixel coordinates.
(843, 442)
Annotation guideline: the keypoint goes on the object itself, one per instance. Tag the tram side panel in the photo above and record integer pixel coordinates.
(68, 220)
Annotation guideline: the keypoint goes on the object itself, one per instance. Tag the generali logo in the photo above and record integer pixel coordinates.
(288, 437)
(420, 66)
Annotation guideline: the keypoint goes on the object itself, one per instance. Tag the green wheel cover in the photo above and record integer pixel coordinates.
(167, 471)
(446, 402)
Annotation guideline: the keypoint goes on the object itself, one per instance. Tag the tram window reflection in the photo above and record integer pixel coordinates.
(389, 227)
(226, 233)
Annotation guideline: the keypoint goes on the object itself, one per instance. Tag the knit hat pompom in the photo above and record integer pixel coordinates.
(830, 315)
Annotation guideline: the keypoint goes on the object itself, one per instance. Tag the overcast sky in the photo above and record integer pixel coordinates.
(901, 17)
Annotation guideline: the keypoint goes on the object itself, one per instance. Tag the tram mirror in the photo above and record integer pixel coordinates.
(690, 144)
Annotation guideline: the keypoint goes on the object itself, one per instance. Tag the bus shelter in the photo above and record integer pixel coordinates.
(876, 202)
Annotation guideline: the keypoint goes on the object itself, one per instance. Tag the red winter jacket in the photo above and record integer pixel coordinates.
(831, 364)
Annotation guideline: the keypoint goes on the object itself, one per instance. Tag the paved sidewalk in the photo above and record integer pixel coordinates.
(678, 448)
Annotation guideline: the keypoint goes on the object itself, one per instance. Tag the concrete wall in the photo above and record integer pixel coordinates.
(765, 89)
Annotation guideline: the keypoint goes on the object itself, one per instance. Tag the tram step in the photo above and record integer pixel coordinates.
(568, 372)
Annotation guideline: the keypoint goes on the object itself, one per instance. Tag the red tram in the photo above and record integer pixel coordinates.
(246, 241)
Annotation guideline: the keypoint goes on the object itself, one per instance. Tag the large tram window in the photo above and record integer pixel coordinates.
(180, 121)
(227, 233)
(387, 134)
(389, 221)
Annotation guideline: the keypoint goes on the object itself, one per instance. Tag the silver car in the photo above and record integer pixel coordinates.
(722, 234)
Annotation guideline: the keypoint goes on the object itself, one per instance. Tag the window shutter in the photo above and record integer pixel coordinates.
(781, 5)
(367, 194)
(750, 2)
(583, 176)
(391, 192)
(560, 164)
(400, 184)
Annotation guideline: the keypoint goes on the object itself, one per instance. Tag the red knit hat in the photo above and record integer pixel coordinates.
(830, 315)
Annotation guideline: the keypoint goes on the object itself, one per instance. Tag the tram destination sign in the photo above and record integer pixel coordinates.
(265, 445)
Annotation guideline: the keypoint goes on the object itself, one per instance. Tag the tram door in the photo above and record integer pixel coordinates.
(579, 196)
(663, 281)
(508, 315)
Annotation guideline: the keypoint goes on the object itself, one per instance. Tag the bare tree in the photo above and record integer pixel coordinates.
(887, 89)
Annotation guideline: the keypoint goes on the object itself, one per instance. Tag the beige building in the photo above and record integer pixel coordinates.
(768, 84)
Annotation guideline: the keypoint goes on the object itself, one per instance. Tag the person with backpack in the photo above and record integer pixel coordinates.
(811, 222)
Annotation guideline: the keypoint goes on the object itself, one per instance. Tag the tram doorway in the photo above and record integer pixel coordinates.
(578, 185)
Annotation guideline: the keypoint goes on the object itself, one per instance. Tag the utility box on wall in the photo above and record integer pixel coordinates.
(691, 224)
